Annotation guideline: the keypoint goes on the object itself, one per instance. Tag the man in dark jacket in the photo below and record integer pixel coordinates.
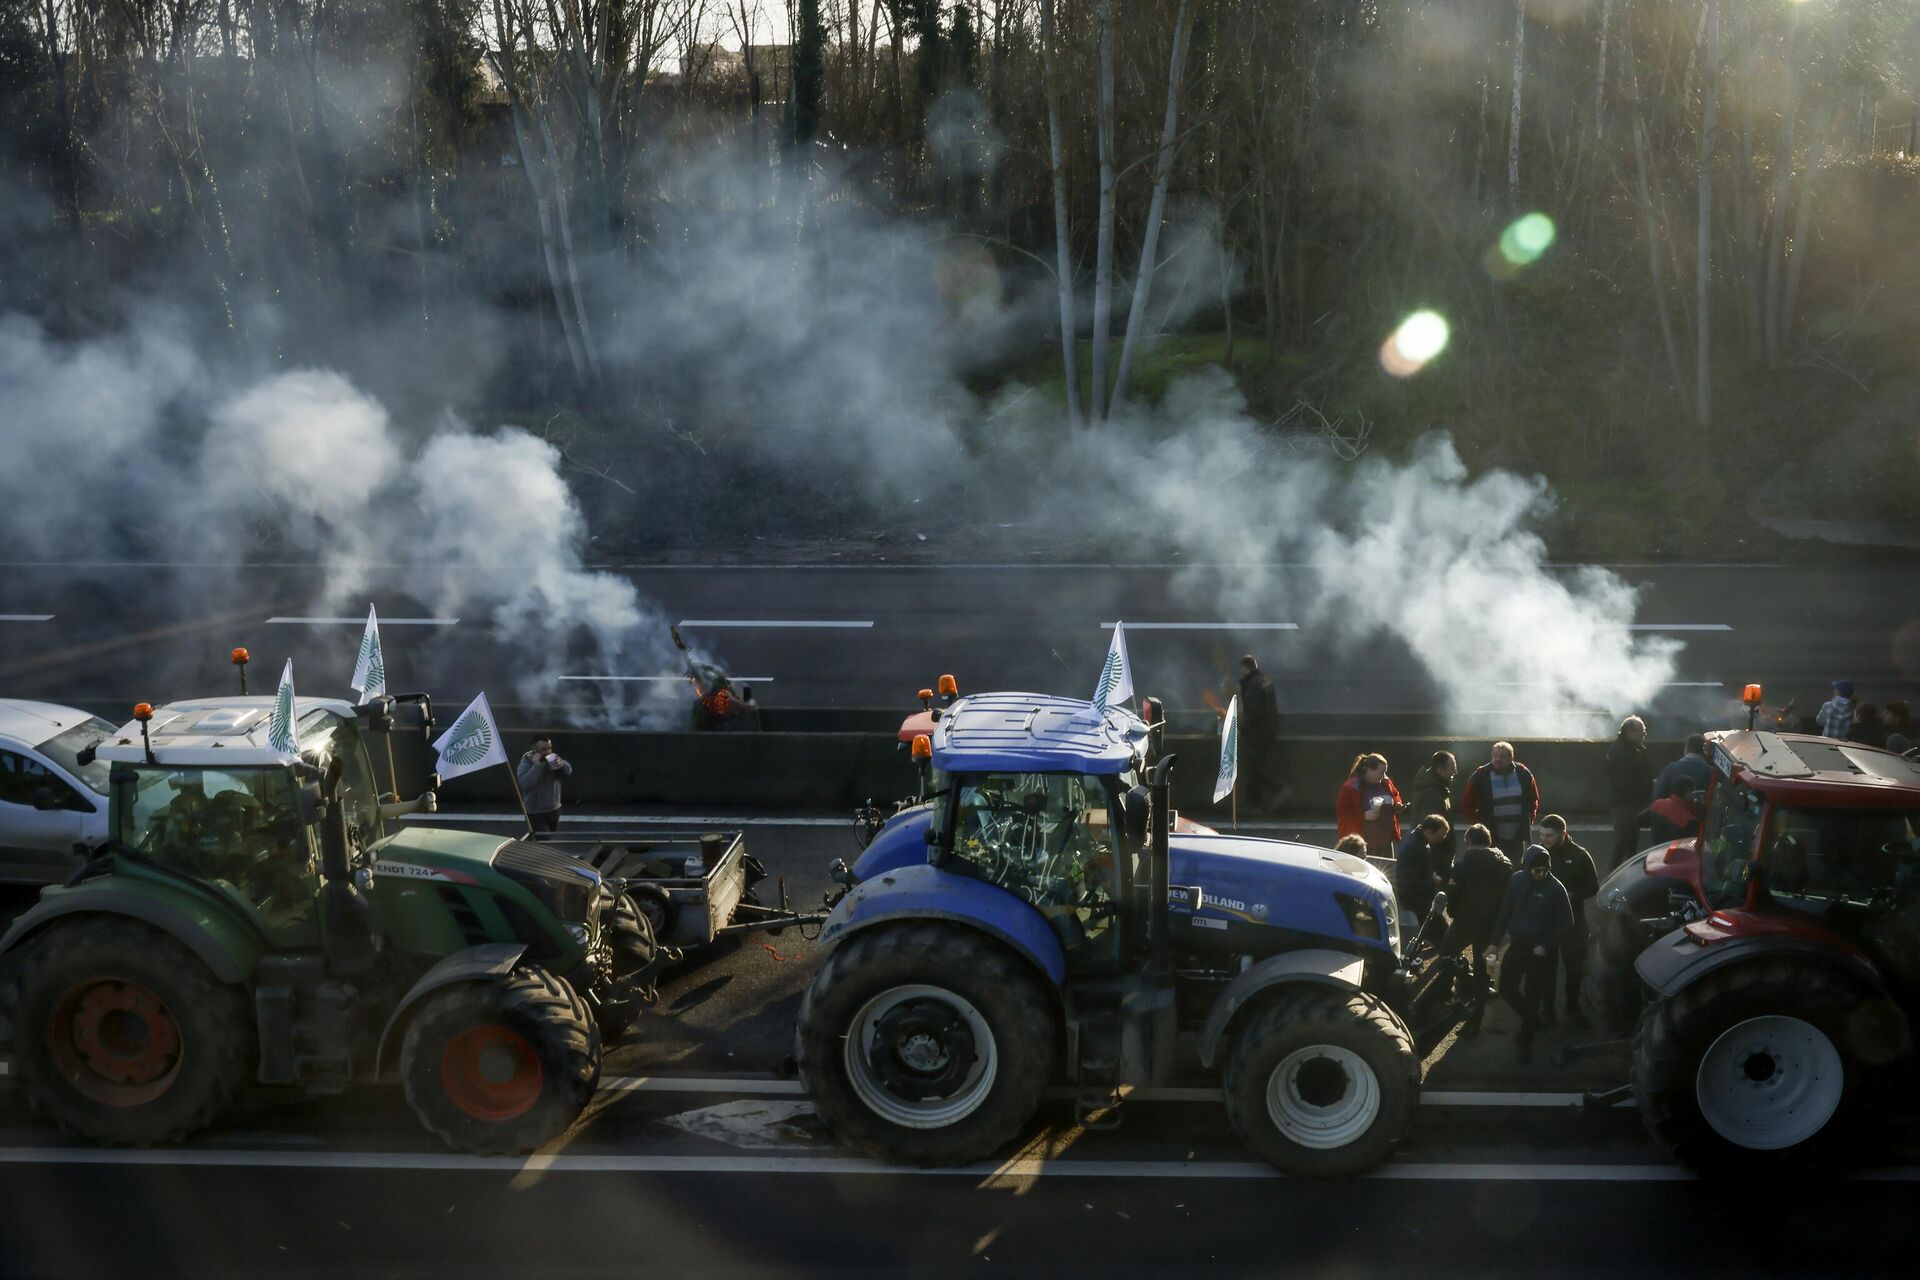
(1259, 736)
(1474, 889)
(1629, 787)
(1693, 766)
(1535, 915)
(1431, 791)
(1416, 865)
(1573, 868)
(1503, 795)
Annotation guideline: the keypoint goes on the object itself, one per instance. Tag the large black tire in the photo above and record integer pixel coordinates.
(1341, 1110)
(934, 988)
(501, 1068)
(120, 1034)
(1610, 987)
(631, 934)
(1766, 1081)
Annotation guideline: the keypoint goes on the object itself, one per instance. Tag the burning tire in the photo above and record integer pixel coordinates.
(500, 1068)
(120, 1034)
(925, 1044)
(1322, 1083)
(1755, 1065)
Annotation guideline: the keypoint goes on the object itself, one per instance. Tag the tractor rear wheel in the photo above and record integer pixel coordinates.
(500, 1068)
(121, 1034)
(925, 1044)
(1322, 1083)
(1758, 1064)
(1611, 988)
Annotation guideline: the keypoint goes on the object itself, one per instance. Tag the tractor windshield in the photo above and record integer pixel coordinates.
(1817, 857)
(1727, 838)
(1046, 838)
(324, 737)
(237, 829)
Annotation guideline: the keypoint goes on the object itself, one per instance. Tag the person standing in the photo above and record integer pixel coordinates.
(1474, 890)
(539, 773)
(1431, 791)
(1369, 805)
(1868, 728)
(1416, 865)
(1259, 737)
(1836, 713)
(1629, 787)
(1898, 719)
(1573, 868)
(1535, 915)
(1693, 766)
(1502, 794)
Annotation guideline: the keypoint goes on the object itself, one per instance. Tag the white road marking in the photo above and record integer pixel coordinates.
(836, 1166)
(1552, 684)
(679, 679)
(750, 1125)
(1679, 626)
(645, 820)
(385, 622)
(816, 624)
(26, 617)
(777, 1087)
(1206, 626)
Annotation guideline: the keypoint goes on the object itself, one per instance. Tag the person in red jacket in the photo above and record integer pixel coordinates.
(1369, 805)
(1503, 794)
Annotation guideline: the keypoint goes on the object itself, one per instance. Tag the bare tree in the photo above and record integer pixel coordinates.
(1703, 247)
(1103, 251)
(1062, 240)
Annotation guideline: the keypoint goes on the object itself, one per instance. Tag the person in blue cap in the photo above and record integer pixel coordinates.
(1836, 715)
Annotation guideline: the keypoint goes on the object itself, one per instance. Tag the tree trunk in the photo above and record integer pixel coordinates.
(1103, 253)
(1776, 246)
(1062, 240)
(1156, 209)
(1801, 220)
(1703, 247)
(1600, 72)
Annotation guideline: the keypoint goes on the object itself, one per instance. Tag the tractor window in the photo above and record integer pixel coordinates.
(1817, 857)
(324, 735)
(1046, 838)
(237, 829)
(1727, 838)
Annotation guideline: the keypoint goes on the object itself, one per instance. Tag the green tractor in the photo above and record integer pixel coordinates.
(261, 916)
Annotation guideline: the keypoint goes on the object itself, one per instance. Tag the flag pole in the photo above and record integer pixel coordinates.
(513, 775)
(1233, 802)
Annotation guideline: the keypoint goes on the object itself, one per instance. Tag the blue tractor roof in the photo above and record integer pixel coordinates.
(1036, 733)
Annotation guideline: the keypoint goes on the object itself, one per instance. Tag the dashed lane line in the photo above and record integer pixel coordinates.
(1206, 626)
(26, 617)
(814, 624)
(776, 1087)
(385, 622)
(1679, 626)
(679, 679)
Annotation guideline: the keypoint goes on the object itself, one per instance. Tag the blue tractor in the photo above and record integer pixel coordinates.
(1035, 919)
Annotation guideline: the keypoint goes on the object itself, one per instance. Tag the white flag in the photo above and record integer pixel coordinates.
(473, 742)
(370, 668)
(1116, 681)
(282, 734)
(1229, 752)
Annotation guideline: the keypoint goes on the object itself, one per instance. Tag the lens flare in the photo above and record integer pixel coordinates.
(1522, 243)
(1420, 337)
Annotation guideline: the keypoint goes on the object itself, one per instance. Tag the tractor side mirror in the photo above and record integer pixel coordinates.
(312, 805)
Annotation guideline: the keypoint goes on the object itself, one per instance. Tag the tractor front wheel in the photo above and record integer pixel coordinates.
(501, 1068)
(1322, 1083)
(120, 1033)
(1763, 1063)
(925, 1044)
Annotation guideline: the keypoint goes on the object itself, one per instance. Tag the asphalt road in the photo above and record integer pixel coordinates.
(838, 636)
(699, 1158)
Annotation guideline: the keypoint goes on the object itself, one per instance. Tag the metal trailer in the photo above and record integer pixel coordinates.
(695, 890)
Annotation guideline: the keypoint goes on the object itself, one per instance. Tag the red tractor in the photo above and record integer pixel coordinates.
(1770, 965)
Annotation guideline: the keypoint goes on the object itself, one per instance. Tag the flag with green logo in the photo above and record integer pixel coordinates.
(1116, 681)
(1229, 752)
(370, 668)
(473, 743)
(282, 734)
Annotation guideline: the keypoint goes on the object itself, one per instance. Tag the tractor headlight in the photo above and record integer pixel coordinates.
(578, 932)
(1361, 916)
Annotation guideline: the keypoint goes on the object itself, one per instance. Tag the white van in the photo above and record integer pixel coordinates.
(49, 801)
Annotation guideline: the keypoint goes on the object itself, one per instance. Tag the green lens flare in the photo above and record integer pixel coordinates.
(1525, 240)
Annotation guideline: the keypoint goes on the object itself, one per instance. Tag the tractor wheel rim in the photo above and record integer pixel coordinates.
(914, 1035)
(116, 1042)
(1323, 1096)
(1770, 1083)
(491, 1073)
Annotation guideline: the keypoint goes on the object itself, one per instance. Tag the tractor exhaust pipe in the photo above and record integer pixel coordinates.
(1160, 826)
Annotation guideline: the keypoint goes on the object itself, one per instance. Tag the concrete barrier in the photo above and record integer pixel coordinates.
(839, 770)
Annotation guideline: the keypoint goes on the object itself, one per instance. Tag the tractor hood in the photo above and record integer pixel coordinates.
(566, 885)
(1226, 883)
(437, 853)
(901, 842)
